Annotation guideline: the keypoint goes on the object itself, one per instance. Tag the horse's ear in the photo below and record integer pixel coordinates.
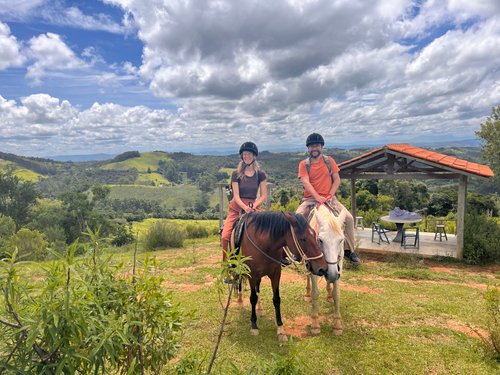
(290, 217)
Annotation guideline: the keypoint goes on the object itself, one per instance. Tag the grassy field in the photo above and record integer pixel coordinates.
(171, 196)
(22, 173)
(400, 317)
(212, 227)
(150, 178)
(142, 163)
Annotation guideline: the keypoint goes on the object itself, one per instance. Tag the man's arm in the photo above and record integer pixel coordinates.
(309, 188)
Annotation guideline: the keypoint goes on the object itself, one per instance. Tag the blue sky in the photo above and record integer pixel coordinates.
(82, 77)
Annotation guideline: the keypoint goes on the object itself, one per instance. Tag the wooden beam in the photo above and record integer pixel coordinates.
(399, 176)
(353, 198)
(462, 201)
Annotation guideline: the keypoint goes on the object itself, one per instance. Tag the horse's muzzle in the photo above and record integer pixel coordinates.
(332, 276)
(319, 272)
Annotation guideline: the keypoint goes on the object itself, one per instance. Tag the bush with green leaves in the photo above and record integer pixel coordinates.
(30, 244)
(492, 299)
(85, 319)
(164, 234)
(481, 239)
(123, 235)
(7, 228)
(196, 231)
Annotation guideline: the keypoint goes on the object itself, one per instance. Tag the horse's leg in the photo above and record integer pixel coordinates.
(275, 282)
(240, 293)
(315, 327)
(259, 304)
(329, 292)
(253, 301)
(307, 296)
(337, 319)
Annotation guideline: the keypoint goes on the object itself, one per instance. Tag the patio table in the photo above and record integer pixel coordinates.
(399, 225)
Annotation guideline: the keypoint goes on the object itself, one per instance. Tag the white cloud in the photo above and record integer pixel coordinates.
(274, 71)
(19, 9)
(10, 49)
(51, 55)
(74, 17)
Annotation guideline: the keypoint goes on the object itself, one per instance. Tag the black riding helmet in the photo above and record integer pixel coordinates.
(314, 139)
(249, 146)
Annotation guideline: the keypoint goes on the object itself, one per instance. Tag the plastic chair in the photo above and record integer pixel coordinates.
(440, 231)
(381, 233)
(409, 234)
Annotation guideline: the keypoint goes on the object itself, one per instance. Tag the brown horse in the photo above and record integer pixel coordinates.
(264, 236)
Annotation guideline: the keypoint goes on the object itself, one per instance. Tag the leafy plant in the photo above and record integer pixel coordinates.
(123, 235)
(481, 239)
(85, 319)
(492, 299)
(31, 244)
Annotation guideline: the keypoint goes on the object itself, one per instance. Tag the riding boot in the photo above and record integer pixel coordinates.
(352, 256)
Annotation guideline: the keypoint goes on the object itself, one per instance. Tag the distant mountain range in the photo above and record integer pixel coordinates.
(284, 148)
(81, 158)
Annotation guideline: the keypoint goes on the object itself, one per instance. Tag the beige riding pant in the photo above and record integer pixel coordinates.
(349, 232)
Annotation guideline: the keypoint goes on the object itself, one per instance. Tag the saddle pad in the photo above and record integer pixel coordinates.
(238, 231)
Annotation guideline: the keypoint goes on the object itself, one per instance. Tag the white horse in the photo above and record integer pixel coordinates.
(330, 233)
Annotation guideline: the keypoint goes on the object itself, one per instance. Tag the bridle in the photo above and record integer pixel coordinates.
(301, 252)
(299, 248)
(336, 214)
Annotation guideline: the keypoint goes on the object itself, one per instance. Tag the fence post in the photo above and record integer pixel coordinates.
(221, 186)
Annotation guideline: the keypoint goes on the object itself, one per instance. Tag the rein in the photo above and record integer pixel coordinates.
(301, 252)
(336, 214)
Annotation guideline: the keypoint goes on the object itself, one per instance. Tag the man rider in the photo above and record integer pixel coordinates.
(319, 175)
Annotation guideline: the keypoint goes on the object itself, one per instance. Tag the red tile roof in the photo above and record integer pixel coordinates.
(435, 157)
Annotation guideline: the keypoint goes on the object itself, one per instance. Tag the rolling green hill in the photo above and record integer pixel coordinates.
(142, 163)
(22, 173)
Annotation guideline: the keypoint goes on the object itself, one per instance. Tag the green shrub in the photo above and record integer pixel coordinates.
(123, 235)
(481, 239)
(86, 320)
(164, 234)
(493, 312)
(31, 244)
(371, 216)
(289, 364)
(196, 231)
(7, 228)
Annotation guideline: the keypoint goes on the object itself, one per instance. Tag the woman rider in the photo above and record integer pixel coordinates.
(247, 180)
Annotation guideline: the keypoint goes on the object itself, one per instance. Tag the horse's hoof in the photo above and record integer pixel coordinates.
(254, 332)
(282, 337)
(337, 331)
(307, 298)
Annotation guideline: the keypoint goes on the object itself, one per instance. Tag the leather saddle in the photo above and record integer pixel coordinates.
(237, 232)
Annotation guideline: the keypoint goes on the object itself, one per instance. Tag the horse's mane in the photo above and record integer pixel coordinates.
(275, 223)
(326, 214)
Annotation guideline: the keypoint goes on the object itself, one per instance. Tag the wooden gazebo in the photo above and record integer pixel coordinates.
(403, 161)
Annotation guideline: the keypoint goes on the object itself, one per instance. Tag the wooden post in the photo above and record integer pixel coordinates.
(269, 187)
(353, 198)
(462, 200)
(221, 186)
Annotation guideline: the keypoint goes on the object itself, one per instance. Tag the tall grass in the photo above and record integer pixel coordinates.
(164, 234)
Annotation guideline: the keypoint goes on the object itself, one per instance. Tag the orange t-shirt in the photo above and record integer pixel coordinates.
(319, 176)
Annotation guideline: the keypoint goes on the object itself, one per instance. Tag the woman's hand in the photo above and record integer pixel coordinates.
(249, 209)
